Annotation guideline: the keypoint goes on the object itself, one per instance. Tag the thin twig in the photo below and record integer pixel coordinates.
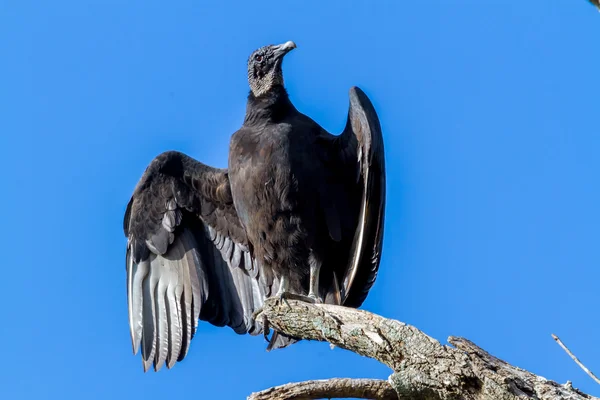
(330, 389)
(583, 367)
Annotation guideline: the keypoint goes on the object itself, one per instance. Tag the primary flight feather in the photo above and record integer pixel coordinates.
(297, 212)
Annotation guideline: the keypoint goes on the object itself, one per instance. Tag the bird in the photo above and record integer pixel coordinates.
(595, 3)
(297, 213)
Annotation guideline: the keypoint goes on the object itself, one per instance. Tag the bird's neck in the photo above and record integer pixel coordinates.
(272, 106)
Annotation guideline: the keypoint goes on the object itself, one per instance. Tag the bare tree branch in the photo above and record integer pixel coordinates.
(583, 367)
(423, 368)
(331, 389)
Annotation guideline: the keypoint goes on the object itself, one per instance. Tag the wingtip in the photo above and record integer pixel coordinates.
(135, 342)
(146, 364)
(356, 91)
(171, 364)
(357, 94)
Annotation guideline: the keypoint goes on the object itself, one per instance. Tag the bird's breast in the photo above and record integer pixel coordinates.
(262, 180)
(265, 177)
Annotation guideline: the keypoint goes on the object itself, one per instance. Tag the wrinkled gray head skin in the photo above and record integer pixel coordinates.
(264, 67)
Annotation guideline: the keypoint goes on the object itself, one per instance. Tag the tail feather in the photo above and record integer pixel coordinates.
(280, 340)
(334, 295)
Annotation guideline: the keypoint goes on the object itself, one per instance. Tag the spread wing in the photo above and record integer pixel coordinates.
(187, 258)
(358, 198)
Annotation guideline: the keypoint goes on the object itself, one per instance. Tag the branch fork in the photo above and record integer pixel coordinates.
(423, 367)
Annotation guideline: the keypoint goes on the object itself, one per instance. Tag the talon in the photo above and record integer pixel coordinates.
(266, 329)
(283, 298)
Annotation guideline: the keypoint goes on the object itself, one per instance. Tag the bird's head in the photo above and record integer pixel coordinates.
(264, 67)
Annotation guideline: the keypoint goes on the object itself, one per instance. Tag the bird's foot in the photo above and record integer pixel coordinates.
(315, 298)
(285, 296)
(311, 298)
(265, 323)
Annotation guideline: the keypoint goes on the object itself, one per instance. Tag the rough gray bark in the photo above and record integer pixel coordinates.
(424, 369)
(330, 389)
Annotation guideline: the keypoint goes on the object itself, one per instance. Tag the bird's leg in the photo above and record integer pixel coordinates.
(283, 294)
(283, 286)
(313, 288)
(313, 291)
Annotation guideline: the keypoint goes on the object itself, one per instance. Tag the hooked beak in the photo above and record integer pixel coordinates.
(282, 49)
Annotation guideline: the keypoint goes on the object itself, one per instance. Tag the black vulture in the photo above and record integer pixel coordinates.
(298, 211)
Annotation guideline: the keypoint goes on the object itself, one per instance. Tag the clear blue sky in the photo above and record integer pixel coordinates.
(490, 118)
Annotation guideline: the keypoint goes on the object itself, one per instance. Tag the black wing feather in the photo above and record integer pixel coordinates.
(187, 259)
(360, 200)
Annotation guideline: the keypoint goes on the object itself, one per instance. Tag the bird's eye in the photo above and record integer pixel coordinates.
(258, 58)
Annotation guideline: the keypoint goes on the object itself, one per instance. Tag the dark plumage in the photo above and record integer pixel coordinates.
(297, 211)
